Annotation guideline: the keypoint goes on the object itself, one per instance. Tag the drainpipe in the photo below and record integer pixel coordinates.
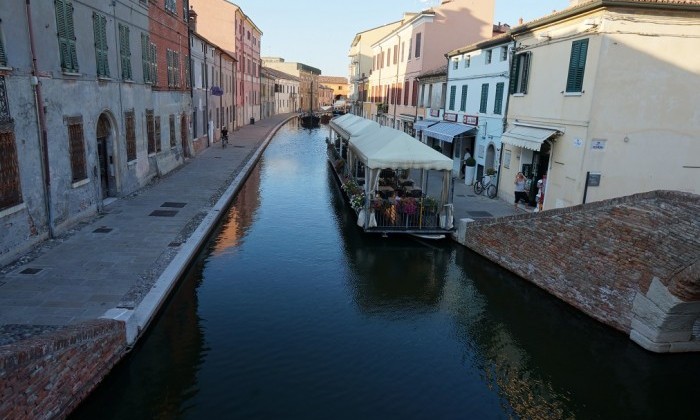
(41, 117)
(511, 57)
(206, 94)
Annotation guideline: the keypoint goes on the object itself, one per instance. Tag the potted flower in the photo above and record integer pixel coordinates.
(491, 172)
(469, 170)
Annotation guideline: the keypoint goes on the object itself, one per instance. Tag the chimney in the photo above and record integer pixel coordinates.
(520, 21)
(193, 20)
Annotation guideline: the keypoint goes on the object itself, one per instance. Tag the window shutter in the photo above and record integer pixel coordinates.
(70, 35)
(527, 58)
(453, 93)
(513, 82)
(498, 102)
(577, 65)
(484, 97)
(3, 57)
(463, 102)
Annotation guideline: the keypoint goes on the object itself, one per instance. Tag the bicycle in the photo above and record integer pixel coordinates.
(224, 140)
(484, 184)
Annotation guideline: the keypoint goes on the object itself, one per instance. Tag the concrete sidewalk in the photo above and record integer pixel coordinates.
(124, 261)
(115, 259)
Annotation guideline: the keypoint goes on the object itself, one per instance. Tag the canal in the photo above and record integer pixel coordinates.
(292, 312)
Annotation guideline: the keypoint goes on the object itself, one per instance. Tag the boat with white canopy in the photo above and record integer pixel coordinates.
(395, 183)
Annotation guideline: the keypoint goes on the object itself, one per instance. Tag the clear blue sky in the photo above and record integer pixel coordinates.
(319, 32)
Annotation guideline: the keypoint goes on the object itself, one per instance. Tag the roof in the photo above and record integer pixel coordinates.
(479, 45)
(336, 80)
(588, 5)
(280, 74)
(436, 72)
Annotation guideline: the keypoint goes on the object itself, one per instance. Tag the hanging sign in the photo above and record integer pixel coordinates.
(217, 91)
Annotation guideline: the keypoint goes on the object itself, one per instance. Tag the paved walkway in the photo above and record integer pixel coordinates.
(120, 258)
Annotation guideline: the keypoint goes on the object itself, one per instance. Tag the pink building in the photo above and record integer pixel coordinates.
(418, 44)
(227, 26)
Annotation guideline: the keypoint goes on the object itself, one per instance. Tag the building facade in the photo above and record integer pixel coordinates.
(417, 45)
(227, 26)
(92, 106)
(308, 81)
(603, 101)
(477, 94)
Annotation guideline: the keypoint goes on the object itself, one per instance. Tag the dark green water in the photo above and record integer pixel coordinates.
(292, 312)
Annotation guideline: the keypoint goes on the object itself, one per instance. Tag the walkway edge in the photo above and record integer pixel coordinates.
(138, 320)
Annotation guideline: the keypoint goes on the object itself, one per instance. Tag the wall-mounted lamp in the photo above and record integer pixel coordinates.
(626, 139)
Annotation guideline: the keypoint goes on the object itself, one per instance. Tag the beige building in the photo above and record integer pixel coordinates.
(417, 45)
(339, 85)
(325, 97)
(361, 63)
(308, 80)
(280, 92)
(604, 100)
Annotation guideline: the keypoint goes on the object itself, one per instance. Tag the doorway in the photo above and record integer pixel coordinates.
(104, 157)
(184, 135)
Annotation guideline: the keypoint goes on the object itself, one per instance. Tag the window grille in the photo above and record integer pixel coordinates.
(10, 190)
(150, 133)
(156, 133)
(173, 141)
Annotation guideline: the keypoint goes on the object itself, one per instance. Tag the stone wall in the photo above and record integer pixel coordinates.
(49, 375)
(600, 257)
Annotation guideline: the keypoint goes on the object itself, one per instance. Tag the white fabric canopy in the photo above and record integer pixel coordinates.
(527, 137)
(385, 147)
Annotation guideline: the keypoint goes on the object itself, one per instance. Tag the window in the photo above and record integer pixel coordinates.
(403, 49)
(150, 132)
(405, 92)
(467, 61)
(66, 35)
(519, 73)
(410, 43)
(453, 93)
(171, 121)
(504, 53)
(3, 57)
(489, 54)
(463, 101)
(153, 54)
(76, 144)
(577, 64)
(10, 189)
(418, 37)
(484, 97)
(388, 57)
(396, 53)
(156, 133)
(99, 23)
(173, 60)
(498, 100)
(146, 58)
(414, 94)
(455, 63)
(187, 65)
(170, 6)
(130, 136)
(125, 51)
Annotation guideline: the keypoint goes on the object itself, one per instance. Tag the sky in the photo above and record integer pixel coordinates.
(318, 33)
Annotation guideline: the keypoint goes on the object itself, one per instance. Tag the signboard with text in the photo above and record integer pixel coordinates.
(450, 117)
(470, 119)
(434, 112)
(217, 91)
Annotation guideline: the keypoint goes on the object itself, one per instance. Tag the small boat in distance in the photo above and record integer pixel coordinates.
(309, 120)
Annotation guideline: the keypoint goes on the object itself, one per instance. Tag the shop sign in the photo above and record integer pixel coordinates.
(450, 117)
(470, 119)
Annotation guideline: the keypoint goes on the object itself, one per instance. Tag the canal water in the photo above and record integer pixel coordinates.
(292, 312)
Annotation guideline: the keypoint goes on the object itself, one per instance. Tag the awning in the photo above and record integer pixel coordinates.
(446, 131)
(527, 137)
(423, 124)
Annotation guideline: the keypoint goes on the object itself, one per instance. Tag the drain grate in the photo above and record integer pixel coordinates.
(31, 270)
(174, 244)
(479, 214)
(240, 147)
(163, 213)
(102, 229)
(173, 204)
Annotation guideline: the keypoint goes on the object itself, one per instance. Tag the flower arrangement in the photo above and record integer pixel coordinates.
(357, 201)
(379, 204)
(430, 204)
(351, 187)
(408, 206)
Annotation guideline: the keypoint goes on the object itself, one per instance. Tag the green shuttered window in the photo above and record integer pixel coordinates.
(498, 102)
(66, 35)
(99, 26)
(453, 93)
(577, 65)
(463, 102)
(484, 97)
(125, 51)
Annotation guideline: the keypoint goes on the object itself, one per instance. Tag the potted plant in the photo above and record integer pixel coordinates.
(491, 172)
(469, 170)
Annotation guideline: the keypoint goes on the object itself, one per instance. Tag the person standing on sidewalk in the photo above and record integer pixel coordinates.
(520, 191)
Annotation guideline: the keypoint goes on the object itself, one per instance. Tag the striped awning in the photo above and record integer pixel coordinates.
(447, 131)
(423, 124)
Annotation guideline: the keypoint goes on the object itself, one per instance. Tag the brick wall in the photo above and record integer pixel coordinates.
(49, 375)
(168, 31)
(597, 256)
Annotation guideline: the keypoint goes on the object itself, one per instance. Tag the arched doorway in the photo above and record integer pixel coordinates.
(105, 157)
(489, 162)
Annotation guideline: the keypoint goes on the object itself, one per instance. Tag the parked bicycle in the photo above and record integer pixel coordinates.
(484, 184)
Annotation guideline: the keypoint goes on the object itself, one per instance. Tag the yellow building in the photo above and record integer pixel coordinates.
(604, 101)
